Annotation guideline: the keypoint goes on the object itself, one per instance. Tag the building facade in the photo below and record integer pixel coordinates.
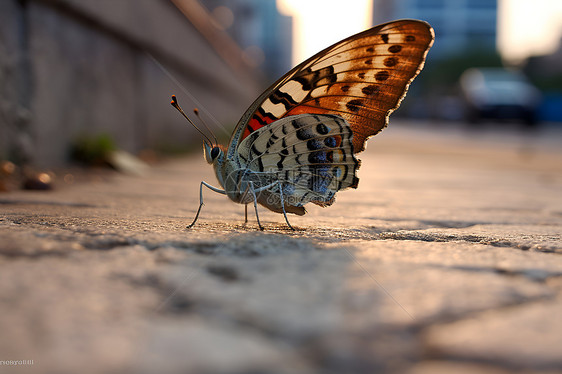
(73, 68)
(264, 34)
(459, 24)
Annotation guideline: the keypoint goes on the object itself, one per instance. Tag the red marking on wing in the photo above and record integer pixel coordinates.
(306, 110)
(257, 121)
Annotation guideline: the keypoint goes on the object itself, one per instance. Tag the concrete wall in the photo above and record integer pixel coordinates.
(72, 67)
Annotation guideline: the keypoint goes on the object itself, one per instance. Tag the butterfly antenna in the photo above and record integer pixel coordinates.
(196, 111)
(175, 104)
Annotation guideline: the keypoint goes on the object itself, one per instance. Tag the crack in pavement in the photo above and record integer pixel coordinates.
(103, 240)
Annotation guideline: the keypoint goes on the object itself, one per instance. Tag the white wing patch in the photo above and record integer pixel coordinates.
(295, 90)
(276, 109)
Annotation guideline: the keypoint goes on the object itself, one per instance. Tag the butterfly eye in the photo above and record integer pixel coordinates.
(215, 152)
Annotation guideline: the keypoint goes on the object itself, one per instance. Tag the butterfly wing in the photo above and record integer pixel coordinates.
(362, 78)
(300, 159)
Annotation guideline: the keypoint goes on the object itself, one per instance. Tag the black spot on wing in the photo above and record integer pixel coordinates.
(317, 157)
(314, 144)
(272, 139)
(354, 105)
(302, 133)
(263, 115)
(330, 141)
(252, 138)
(370, 90)
(255, 150)
(278, 97)
(284, 151)
(280, 165)
(390, 61)
(322, 129)
(382, 75)
(258, 119)
(310, 79)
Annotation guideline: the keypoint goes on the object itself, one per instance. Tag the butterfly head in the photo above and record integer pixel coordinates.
(213, 153)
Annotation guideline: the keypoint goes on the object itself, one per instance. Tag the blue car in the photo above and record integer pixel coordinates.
(497, 93)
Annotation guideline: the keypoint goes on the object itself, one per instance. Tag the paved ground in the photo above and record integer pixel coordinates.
(447, 259)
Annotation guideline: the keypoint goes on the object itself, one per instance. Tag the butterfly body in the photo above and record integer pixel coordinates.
(297, 142)
(295, 160)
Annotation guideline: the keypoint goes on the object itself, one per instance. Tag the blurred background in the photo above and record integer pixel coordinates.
(78, 77)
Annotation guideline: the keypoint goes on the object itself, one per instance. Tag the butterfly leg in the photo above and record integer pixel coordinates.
(203, 183)
(283, 206)
(245, 213)
(253, 191)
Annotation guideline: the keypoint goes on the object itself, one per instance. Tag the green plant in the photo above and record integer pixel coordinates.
(92, 150)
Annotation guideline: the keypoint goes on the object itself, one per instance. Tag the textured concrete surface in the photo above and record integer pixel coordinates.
(447, 259)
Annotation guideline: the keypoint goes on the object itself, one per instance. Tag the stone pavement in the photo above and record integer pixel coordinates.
(447, 259)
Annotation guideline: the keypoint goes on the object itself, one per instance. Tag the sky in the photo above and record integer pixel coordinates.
(315, 21)
(529, 27)
(525, 27)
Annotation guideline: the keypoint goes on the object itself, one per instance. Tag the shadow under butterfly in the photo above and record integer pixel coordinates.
(296, 144)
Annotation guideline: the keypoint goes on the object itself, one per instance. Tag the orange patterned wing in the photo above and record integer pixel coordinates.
(362, 78)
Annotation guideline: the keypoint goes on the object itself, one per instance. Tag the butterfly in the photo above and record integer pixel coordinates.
(297, 143)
